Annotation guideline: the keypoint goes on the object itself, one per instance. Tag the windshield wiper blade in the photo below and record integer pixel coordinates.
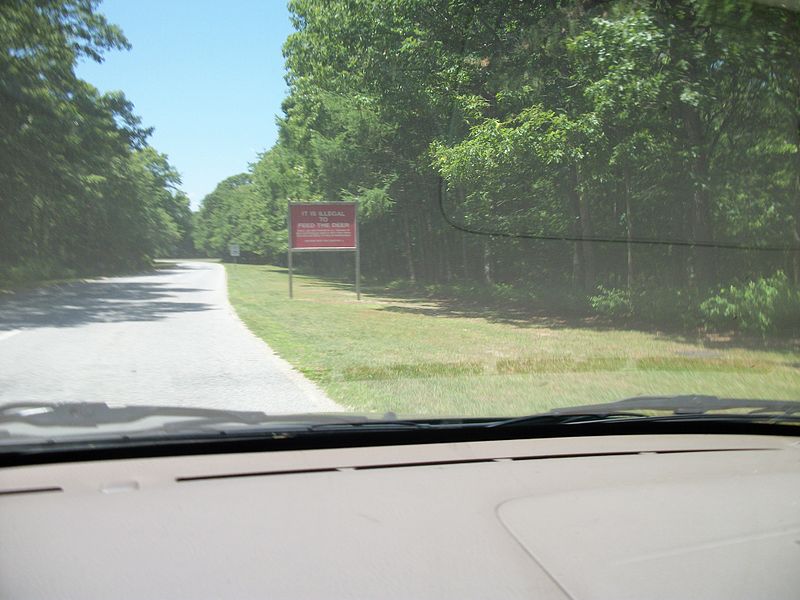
(686, 405)
(552, 418)
(97, 414)
(92, 414)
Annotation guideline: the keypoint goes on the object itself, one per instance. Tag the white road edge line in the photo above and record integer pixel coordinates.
(7, 334)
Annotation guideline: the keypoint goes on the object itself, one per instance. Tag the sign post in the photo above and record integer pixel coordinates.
(233, 250)
(358, 259)
(324, 227)
(290, 229)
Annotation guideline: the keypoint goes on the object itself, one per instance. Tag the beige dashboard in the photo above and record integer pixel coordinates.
(669, 516)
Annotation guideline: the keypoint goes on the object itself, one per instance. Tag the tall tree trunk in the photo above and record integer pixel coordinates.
(431, 262)
(587, 246)
(793, 35)
(447, 264)
(796, 229)
(581, 215)
(796, 191)
(573, 210)
(488, 274)
(464, 257)
(629, 228)
(576, 265)
(412, 274)
(702, 269)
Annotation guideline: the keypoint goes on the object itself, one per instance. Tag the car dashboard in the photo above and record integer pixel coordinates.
(630, 516)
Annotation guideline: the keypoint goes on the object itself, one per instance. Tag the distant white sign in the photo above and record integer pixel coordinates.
(233, 249)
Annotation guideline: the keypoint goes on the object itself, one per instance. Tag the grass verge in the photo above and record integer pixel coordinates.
(418, 356)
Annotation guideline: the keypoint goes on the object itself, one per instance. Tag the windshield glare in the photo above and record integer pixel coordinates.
(422, 208)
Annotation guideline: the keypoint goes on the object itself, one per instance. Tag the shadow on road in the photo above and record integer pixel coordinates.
(97, 302)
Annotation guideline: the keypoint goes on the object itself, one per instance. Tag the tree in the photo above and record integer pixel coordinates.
(626, 121)
(80, 190)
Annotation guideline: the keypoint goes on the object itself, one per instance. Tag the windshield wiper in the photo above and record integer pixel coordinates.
(688, 405)
(167, 419)
(94, 414)
(683, 407)
(88, 422)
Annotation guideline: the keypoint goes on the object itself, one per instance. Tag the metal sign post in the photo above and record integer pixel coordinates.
(323, 227)
(289, 222)
(358, 258)
(233, 250)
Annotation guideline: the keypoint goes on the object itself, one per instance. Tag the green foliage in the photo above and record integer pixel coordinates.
(33, 270)
(623, 120)
(236, 213)
(763, 306)
(80, 190)
(612, 302)
(372, 202)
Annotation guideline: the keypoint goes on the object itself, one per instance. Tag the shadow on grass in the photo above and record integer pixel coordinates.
(419, 301)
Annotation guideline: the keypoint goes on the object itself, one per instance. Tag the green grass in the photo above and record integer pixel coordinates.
(421, 356)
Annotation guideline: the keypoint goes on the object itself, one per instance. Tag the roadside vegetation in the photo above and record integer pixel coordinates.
(633, 121)
(81, 191)
(415, 354)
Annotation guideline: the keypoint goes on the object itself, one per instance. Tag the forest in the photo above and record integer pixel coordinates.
(639, 159)
(631, 159)
(81, 190)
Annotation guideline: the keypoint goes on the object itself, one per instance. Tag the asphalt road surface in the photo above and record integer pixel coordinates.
(168, 338)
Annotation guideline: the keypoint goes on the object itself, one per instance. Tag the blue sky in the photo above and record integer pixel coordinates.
(208, 75)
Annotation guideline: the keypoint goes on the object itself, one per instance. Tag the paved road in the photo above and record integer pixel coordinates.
(168, 337)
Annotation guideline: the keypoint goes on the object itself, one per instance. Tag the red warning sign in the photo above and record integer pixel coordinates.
(319, 226)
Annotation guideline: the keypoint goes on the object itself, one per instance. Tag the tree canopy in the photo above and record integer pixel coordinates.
(81, 191)
(627, 120)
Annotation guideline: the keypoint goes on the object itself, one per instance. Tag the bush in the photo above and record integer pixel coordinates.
(612, 302)
(766, 305)
(33, 270)
(670, 307)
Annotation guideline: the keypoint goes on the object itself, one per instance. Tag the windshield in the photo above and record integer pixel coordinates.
(414, 208)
